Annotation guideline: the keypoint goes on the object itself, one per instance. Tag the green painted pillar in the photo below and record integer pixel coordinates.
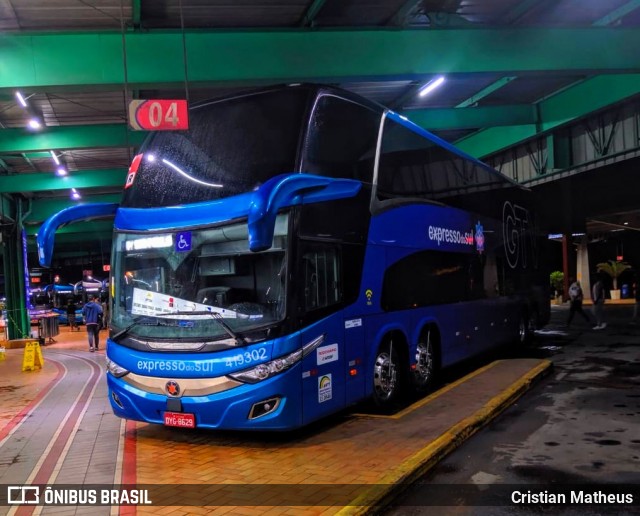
(18, 324)
(15, 271)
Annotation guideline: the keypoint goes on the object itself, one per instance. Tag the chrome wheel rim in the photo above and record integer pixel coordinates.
(384, 376)
(424, 362)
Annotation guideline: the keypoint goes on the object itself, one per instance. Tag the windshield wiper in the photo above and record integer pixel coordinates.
(143, 320)
(218, 318)
(156, 320)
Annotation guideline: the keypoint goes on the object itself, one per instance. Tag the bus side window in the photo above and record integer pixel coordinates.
(322, 276)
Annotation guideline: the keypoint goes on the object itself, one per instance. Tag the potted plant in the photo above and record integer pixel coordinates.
(614, 269)
(557, 283)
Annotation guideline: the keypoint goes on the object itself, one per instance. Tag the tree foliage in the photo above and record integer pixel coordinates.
(614, 269)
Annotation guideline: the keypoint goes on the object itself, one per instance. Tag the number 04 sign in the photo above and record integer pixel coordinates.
(159, 115)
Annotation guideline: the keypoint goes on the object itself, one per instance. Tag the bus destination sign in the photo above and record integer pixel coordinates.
(159, 115)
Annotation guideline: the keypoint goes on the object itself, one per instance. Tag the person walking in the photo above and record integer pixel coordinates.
(71, 315)
(636, 290)
(91, 311)
(576, 296)
(597, 295)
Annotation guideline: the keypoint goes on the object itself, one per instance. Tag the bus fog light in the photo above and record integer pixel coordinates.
(116, 400)
(262, 408)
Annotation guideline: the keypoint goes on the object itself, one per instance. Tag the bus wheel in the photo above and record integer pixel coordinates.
(386, 376)
(425, 371)
(525, 332)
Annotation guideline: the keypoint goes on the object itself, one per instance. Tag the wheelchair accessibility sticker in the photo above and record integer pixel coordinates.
(183, 241)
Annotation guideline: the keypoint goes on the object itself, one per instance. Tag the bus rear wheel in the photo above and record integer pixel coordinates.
(525, 329)
(426, 368)
(387, 376)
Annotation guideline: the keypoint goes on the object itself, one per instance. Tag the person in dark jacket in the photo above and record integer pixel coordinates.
(91, 312)
(598, 295)
(71, 315)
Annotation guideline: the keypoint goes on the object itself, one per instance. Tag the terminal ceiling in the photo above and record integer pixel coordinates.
(513, 69)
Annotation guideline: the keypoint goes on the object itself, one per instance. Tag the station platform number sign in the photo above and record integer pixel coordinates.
(159, 115)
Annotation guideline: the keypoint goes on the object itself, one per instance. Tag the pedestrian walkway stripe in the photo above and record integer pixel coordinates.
(74, 431)
(129, 462)
(19, 418)
(47, 463)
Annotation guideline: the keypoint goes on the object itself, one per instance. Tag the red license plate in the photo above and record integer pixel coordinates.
(179, 419)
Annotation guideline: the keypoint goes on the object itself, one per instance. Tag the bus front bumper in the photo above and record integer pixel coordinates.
(261, 406)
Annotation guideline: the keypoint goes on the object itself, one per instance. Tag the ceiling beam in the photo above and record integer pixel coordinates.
(47, 181)
(617, 14)
(486, 91)
(401, 16)
(312, 12)
(571, 103)
(17, 140)
(44, 208)
(438, 119)
(49, 61)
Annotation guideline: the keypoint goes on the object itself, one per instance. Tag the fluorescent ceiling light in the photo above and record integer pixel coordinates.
(34, 124)
(61, 171)
(74, 194)
(55, 158)
(430, 86)
(21, 99)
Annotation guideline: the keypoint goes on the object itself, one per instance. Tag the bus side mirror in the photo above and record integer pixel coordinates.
(287, 190)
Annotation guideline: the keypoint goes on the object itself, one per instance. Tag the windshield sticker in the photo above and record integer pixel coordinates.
(146, 302)
(324, 388)
(353, 323)
(327, 354)
(183, 241)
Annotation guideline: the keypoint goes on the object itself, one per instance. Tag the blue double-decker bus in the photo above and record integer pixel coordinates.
(300, 249)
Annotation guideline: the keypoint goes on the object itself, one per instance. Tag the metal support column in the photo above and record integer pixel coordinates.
(566, 239)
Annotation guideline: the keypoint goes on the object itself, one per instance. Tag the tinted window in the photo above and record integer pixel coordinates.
(232, 146)
(433, 278)
(321, 276)
(341, 139)
(411, 165)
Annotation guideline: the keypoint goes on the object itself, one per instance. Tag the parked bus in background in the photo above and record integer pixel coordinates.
(300, 249)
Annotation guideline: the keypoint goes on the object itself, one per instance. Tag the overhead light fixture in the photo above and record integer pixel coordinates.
(61, 171)
(150, 158)
(34, 123)
(626, 223)
(55, 158)
(74, 194)
(21, 99)
(430, 86)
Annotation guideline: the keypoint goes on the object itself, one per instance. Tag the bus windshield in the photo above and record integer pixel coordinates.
(232, 147)
(176, 285)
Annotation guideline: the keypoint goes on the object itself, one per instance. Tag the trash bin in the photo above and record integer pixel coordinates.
(624, 292)
(48, 327)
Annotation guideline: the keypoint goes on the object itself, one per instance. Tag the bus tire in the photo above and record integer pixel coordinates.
(525, 332)
(388, 375)
(427, 361)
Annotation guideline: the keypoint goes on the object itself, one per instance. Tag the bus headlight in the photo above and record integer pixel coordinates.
(268, 369)
(115, 369)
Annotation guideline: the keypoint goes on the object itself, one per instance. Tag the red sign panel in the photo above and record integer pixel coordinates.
(159, 115)
(106, 268)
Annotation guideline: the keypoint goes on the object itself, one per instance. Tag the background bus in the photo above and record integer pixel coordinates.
(300, 249)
